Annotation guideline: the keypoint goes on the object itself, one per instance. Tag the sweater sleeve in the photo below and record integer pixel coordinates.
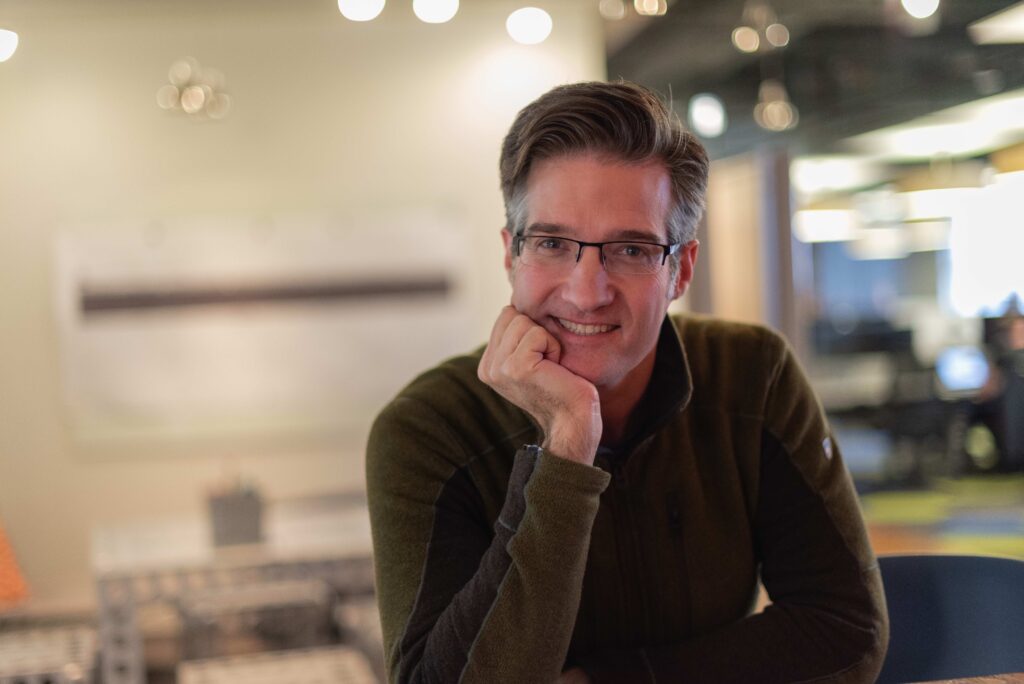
(827, 619)
(463, 599)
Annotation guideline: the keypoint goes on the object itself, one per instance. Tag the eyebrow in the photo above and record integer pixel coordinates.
(618, 235)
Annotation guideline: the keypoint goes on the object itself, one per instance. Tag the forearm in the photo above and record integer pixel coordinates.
(526, 635)
(513, 618)
(786, 643)
(827, 621)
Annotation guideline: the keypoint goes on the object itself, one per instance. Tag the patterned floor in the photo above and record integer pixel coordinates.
(972, 515)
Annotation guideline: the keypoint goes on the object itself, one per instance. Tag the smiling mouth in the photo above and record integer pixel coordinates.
(582, 329)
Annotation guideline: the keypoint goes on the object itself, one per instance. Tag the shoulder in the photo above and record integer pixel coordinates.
(731, 361)
(446, 412)
(447, 385)
(704, 335)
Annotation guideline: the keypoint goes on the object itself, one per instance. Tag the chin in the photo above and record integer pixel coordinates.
(595, 373)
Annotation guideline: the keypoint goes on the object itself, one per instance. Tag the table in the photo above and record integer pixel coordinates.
(325, 538)
(1012, 678)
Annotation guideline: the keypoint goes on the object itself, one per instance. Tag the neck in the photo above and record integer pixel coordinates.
(619, 401)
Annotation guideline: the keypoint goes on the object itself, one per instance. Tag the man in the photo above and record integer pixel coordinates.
(595, 494)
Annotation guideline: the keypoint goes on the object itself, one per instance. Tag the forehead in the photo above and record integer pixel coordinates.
(596, 198)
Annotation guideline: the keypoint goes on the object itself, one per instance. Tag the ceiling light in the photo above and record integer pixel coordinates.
(168, 97)
(920, 9)
(194, 89)
(435, 11)
(777, 115)
(745, 39)
(192, 99)
(529, 25)
(612, 10)
(777, 34)
(360, 10)
(8, 44)
(650, 8)
(1006, 26)
(964, 130)
(707, 115)
(774, 111)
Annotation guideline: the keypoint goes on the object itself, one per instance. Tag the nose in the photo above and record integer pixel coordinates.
(587, 286)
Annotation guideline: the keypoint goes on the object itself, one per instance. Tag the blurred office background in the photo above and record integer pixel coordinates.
(230, 231)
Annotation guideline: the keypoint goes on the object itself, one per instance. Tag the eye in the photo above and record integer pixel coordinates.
(549, 244)
(633, 250)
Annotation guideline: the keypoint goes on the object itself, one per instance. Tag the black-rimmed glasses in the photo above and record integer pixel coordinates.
(627, 257)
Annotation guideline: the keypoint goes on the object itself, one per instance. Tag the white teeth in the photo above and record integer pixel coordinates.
(580, 329)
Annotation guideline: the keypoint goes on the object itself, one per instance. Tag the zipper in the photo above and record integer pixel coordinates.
(674, 518)
(635, 568)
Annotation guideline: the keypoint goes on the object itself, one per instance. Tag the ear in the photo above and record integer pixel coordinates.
(506, 238)
(687, 262)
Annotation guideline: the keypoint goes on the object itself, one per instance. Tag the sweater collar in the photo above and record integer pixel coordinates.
(668, 391)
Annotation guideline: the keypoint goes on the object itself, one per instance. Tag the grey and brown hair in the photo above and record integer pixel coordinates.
(624, 121)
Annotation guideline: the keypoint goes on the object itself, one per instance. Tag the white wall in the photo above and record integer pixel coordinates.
(329, 116)
(734, 234)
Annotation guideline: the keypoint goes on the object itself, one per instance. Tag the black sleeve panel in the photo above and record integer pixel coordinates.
(460, 579)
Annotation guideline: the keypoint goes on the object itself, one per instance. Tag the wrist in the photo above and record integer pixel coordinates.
(578, 450)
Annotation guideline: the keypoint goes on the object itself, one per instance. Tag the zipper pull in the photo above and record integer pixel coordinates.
(675, 518)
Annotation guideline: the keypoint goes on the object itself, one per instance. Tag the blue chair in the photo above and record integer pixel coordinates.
(952, 616)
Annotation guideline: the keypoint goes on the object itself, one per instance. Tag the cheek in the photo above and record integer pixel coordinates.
(526, 294)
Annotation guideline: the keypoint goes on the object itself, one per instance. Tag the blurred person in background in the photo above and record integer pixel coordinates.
(999, 408)
(595, 494)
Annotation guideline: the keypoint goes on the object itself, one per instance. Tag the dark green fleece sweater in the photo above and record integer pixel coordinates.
(495, 564)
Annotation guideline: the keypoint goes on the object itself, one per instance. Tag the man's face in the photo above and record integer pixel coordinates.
(592, 199)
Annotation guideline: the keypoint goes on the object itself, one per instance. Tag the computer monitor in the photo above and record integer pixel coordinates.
(961, 370)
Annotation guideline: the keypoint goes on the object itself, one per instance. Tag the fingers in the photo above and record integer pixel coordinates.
(521, 363)
(508, 313)
(514, 331)
(535, 344)
(516, 346)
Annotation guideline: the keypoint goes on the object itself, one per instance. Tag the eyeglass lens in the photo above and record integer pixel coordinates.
(618, 257)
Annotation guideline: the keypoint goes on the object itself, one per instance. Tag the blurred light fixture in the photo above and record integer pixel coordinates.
(774, 111)
(529, 25)
(826, 225)
(1006, 26)
(360, 10)
(435, 11)
(195, 90)
(970, 129)
(612, 10)
(920, 9)
(8, 44)
(707, 115)
(777, 34)
(879, 243)
(650, 8)
(745, 39)
(936, 203)
(759, 28)
(879, 207)
(826, 174)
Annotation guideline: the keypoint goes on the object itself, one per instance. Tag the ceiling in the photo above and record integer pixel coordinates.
(851, 66)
